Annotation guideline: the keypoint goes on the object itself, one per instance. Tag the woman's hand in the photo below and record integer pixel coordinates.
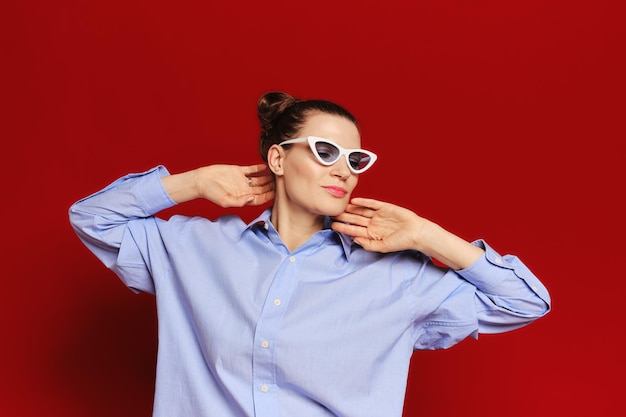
(379, 226)
(383, 227)
(236, 186)
(224, 185)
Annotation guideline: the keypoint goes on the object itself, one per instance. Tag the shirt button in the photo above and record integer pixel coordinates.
(534, 288)
(277, 302)
(498, 260)
(264, 388)
(292, 259)
(265, 344)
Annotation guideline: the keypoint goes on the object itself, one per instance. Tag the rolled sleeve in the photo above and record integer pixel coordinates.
(503, 275)
(117, 224)
(508, 294)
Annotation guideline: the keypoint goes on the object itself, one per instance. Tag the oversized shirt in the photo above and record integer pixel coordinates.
(247, 327)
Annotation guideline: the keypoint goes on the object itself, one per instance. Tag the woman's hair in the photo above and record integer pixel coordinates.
(282, 116)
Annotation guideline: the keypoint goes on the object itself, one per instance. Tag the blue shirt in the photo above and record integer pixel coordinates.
(248, 328)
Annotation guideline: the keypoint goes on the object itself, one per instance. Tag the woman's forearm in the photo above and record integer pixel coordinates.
(182, 187)
(447, 247)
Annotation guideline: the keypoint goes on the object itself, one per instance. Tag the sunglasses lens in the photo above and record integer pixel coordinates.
(359, 160)
(327, 152)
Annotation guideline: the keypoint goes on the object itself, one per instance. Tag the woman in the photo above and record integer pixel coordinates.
(314, 308)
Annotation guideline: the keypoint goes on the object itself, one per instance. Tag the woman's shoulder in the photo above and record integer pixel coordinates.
(225, 224)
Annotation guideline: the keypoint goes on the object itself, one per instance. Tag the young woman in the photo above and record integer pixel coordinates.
(314, 308)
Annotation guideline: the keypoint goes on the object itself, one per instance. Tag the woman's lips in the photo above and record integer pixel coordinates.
(336, 191)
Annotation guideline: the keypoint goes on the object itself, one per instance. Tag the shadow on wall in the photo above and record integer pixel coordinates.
(104, 364)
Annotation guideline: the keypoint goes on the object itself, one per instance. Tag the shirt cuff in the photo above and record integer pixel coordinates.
(491, 272)
(151, 192)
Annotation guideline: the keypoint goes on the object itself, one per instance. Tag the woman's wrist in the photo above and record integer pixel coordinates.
(182, 187)
(447, 247)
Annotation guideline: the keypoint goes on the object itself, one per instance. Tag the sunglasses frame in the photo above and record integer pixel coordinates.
(312, 140)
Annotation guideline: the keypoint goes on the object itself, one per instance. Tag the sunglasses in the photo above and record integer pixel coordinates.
(327, 153)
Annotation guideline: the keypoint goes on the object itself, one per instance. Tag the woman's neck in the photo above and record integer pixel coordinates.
(294, 227)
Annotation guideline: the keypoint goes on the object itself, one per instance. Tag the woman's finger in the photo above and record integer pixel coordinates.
(251, 170)
(353, 219)
(261, 198)
(349, 229)
(263, 188)
(260, 181)
(368, 203)
(359, 210)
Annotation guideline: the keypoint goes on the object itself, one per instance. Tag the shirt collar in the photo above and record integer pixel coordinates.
(263, 221)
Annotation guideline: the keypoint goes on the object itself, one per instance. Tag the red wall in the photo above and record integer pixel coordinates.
(496, 119)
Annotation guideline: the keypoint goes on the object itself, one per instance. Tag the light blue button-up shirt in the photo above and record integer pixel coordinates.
(248, 328)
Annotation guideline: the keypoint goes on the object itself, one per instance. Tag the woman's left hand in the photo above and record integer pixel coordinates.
(383, 227)
(379, 226)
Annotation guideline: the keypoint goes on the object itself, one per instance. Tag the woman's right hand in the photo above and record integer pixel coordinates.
(224, 185)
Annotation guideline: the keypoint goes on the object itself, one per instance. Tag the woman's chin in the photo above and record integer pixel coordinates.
(335, 211)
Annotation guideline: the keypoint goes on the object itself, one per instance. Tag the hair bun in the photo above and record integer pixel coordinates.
(271, 106)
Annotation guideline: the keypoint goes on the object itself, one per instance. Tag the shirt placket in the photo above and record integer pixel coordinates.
(265, 390)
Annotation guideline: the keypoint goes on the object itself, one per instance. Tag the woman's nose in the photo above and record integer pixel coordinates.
(341, 169)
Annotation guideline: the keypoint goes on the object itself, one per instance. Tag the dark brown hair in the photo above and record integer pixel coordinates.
(282, 116)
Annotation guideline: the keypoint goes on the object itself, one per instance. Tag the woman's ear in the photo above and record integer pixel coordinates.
(275, 157)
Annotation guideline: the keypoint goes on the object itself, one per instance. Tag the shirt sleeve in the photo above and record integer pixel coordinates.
(118, 226)
(508, 294)
(493, 295)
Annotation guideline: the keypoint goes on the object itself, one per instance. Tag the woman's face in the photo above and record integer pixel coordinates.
(307, 185)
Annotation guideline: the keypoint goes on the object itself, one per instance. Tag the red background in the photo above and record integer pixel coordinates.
(500, 120)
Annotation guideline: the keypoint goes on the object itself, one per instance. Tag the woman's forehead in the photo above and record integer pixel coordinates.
(332, 127)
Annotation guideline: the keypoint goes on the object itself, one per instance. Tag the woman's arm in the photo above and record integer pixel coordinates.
(118, 224)
(511, 293)
(224, 185)
(101, 217)
(384, 227)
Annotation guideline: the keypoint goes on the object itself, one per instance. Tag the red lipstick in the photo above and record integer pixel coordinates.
(336, 191)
